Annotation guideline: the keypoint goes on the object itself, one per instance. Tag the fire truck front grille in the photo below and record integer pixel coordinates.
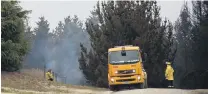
(125, 71)
(124, 80)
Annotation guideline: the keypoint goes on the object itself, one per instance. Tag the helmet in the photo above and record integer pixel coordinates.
(168, 63)
(49, 70)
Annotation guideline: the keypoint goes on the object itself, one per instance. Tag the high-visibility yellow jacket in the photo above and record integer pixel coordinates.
(169, 73)
(49, 75)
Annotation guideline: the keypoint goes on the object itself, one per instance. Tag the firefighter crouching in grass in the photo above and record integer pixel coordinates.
(49, 76)
(169, 74)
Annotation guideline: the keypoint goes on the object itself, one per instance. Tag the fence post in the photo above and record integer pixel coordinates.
(65, 80)
(56, 77)
(44, 71)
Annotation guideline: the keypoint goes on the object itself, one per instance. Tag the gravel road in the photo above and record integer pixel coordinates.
(133, 91)
(159, 91)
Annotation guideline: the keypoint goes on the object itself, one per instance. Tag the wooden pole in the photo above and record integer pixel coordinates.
(44, 70)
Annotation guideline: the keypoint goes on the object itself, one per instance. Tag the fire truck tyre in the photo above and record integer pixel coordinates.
(113, 88)
(141, 86)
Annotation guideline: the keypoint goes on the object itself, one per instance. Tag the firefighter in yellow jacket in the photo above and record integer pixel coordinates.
(49, 75)
(169, 74)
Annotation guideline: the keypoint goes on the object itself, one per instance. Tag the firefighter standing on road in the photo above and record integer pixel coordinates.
(169, 74)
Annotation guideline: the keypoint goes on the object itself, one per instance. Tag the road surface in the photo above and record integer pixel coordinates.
(91, 91)
(158, 91)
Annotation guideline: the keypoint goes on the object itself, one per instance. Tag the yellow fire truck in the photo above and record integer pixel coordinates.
(125, 67)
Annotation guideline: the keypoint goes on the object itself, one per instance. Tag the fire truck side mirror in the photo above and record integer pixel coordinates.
(145, 57)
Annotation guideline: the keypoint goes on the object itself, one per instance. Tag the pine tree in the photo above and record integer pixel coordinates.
(200, 10)
(127, 23)
(183, 27)
(191, 37)
(14, 46)
(38, 54)
(200, 38)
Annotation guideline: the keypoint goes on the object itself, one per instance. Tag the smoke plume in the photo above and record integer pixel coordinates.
(60, 51)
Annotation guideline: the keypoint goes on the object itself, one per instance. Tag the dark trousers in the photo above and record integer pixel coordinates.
(170, 82)
(50, 79)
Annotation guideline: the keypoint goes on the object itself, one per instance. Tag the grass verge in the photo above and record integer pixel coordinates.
(33, 80)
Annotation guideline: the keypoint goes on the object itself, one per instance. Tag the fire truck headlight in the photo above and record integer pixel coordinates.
(133, 71)
(116, 72)
(112, 80)
(139, 77)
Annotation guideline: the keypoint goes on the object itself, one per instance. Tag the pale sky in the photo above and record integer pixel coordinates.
(55, 11)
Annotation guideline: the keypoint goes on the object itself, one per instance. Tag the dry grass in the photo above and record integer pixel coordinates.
(33, 79)
(26, 79)
(34, 73)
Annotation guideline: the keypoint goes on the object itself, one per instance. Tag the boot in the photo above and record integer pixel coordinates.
(169, 86)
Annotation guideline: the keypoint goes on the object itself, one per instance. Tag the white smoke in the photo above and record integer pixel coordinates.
(61, 57)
